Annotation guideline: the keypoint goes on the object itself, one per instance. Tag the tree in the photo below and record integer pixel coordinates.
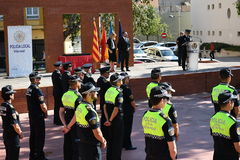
(71, 26)
(237, 3)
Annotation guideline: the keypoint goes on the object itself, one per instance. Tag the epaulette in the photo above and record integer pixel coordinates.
(232, 87)
(233, 118)
(89, 107)
(164, 116)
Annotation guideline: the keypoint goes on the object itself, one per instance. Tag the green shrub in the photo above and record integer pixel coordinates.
(219, 46)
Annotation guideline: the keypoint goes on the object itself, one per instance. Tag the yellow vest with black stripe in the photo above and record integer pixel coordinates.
(166, 109)
(111, 95)
(219, 89)
(152, 123)
(81, 112)
(149, 87)
(69, 98)
(221, 123)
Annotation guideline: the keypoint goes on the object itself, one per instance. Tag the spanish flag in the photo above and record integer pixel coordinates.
(104, 50)
(95, 50)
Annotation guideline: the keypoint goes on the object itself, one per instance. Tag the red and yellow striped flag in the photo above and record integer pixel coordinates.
(104, 50)
(95, 50)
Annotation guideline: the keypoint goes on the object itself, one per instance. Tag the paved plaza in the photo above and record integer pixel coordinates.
(195, 143)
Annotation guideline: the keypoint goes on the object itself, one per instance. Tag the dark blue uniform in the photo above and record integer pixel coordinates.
(10, 136)
(57, 94)
(182, 41)
(35, 97)
(65, 78)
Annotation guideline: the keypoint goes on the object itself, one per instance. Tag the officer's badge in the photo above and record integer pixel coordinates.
(238, 130)
(93, 121)
(41, 98)
(171, 131)
(175, 114)
(14, 116)
(3, 111)
(120, 100)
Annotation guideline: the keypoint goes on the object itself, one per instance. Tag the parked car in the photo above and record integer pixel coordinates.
(171, 45)
(145, 44)
(136, 40)
(161, 53)
(141, 56)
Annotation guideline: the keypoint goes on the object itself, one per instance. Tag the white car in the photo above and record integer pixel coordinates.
(171, 45)
(141, 56)
(145, 44)
(161, 53)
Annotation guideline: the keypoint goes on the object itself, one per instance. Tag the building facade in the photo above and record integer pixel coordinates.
(216, 21)
(49, 27)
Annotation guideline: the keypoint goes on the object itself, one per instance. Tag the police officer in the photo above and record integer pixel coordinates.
(70, 99)
(11, 124)
(179, 43)
(37, 110)
(225, 130)
(104, 84)
(67, 66)
(87, 74)
(225, 77)
(158, 130)
(156, 78)
(169, 110)
(129, 107)
(57, 91)
(79, 72)
(88, 126)
(114, 117)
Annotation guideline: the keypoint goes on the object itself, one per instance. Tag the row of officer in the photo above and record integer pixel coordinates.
(12, 131)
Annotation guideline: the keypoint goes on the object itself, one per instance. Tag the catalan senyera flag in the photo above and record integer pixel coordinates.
(95, 50)
(104, 50)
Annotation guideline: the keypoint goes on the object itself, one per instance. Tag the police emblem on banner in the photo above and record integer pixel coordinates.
(19, 36)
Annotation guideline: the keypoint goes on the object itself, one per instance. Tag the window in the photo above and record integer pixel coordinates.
(220, 33)
(1, 17)
(220, 5)
(32, 13)
(209, 33)
(193, 32)
(200, 33)
(238, 33)
(229, 13)
(208, 7)
(212, 6)
(197, 33)
(213, 33)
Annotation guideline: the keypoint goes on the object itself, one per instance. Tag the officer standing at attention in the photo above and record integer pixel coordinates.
(158, 130)
(156, 78)
(104, 84)
(37, 110)
(88, 126)
(79, 72)
(70, 99)
(88, 74)
(225, 77)
(57, 91)
(225, 130)
(129, 107)
(114, 117)
(67, 66)
(169, 110)
(184, 42)
(10, 124)
(179, 43)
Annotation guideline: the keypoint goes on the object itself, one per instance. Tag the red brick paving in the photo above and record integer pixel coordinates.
(194, 112)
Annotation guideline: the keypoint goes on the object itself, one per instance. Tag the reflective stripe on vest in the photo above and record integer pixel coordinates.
(166, 109)
(111, 95)
(152, 124)
(219, 89)
(149, 88)
(69, 98)
(81, 113)
(220, 124)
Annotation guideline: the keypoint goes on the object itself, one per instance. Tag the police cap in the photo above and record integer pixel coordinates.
(116, 77)
(159, 92)
(124, 74)
(35, 75)
(88, 87)
(167, 86)
(156, 71)
(58, 64)
(225, 73)
(74, 78)
(78, 70)
(225, 97)
(66, 65)
(104, 70)
(188, 30)
(87, 65)
(7, 90)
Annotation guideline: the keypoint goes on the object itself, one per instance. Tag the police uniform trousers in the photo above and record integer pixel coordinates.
(12, 145)
(37, 137)
(57, 105)
(128, 121)
(184, 58)
(124, 57)
(104, 129)
(89, 151)
(179, 57)
(70, 145)
(115, 139)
